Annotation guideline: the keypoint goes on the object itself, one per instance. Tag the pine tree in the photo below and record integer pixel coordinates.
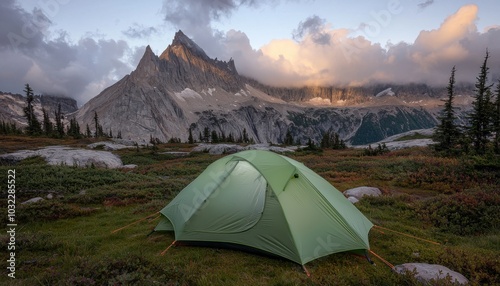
(447, 133)
(190, 137)
(48, 128)
(496, 119)
(215, 137)
(74, 129)
(98, 128)
(480, 117)
(288, 138)
(206, 134)
(34, 127)
(59, 121)
(88, 133)
(244, 137)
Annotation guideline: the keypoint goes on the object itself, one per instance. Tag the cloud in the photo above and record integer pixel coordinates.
(137, 31)
(348, 60)
(50, 62)
(195, 18)
(425, 4)
(315, 27)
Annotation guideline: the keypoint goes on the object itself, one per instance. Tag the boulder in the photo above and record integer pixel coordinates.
(61, 155)
(218, 148)
(352, 200)
(33, 200)
(109, 146)
(360, 192)
(427, 272)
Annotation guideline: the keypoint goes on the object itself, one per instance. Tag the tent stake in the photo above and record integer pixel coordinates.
(138, 221)
(306, 271)
(165, 251)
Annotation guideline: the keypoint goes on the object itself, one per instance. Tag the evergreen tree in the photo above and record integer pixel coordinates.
(288, 138)
(447, 133)
(190, 137)
(206, 134)
(200, 137)
(74, 129)
(230, 138)
(215, 137)
(59, 121)
(479, 119)
(244, 137)
(48, 127)
(496, 119)
(119, 136)
(332, 140)
(99, 132)
(88, 133)
(34, 127)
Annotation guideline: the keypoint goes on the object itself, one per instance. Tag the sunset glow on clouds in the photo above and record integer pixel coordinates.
(353, 61)
(49, 48)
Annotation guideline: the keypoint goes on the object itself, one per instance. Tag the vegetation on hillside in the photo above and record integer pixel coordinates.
(68, 241)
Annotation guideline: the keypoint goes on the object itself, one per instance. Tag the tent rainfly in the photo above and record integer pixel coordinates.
(267, 202)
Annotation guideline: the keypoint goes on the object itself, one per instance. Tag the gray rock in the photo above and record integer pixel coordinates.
(218, 148)
(60, 155)
(427, 272)
(33, 200)
(352, 200)
(50, 196)
(109, 146)
(129, 166)
(360, 192)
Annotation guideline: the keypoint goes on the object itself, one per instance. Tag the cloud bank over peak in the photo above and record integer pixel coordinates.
(50, 62)
(321, 55)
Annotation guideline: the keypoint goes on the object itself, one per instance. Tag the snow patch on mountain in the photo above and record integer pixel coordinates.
(319, 101)
(188, 93)
(385, 92)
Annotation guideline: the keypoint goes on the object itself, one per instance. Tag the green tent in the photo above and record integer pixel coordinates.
(268, 202)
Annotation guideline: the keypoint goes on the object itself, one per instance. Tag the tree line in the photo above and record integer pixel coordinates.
(52, 128)
(481, 132)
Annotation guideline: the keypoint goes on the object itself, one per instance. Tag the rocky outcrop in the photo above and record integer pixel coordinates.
(60, 155)
(359, 192)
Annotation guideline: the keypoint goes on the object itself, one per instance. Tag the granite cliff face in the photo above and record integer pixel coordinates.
(184, 89)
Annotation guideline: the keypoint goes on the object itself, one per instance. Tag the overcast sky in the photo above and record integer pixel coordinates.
(78, 48)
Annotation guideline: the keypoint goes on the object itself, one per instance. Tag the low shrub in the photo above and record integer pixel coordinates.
(465, 213)
(50, 210)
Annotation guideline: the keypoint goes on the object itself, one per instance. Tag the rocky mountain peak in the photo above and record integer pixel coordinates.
(182, 41)
(148, 65)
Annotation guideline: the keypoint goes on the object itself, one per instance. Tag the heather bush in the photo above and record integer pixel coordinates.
(465, 213)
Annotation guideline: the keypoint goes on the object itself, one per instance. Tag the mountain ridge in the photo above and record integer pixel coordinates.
(183, 89)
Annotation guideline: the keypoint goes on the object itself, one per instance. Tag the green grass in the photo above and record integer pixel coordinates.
(69, 241)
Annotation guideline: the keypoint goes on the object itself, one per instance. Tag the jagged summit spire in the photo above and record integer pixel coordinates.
(180, 39)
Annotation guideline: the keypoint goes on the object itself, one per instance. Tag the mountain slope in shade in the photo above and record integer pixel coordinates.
(185, 89)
